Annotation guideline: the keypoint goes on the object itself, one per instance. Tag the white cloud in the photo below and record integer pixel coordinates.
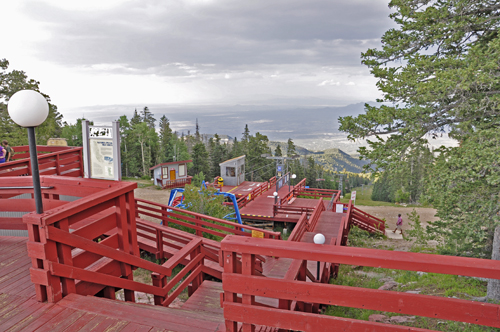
(329, 82)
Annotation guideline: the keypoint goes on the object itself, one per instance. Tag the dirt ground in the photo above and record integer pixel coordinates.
(152, 194)
(390, 214)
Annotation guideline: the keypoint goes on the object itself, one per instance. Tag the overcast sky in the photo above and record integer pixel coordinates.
(143, 52)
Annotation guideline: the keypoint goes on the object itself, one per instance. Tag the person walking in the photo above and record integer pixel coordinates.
(399, 224)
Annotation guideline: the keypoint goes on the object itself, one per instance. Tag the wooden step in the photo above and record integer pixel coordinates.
(170, 319)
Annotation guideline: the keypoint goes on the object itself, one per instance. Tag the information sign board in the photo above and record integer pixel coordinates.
(101, 151)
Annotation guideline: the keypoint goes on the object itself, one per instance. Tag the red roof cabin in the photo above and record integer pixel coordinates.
(172, 174)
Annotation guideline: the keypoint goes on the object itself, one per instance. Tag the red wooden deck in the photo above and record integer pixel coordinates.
(262, 207)
(244, 188)
(20, 311)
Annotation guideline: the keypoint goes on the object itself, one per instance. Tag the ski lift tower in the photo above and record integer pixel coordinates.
(341, 176)
(280, 163)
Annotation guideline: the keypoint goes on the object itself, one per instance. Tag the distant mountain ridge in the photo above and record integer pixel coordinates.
(329, 158)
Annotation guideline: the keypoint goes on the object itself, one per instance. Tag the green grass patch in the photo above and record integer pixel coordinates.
(363, 197)
(441, 285)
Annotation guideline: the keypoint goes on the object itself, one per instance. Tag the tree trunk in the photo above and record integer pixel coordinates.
(143, 163)
(493, 291)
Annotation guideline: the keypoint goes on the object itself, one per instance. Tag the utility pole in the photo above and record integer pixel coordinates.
(341, 176)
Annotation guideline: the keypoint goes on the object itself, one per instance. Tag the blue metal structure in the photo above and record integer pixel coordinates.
(235, 205)
(173, 195)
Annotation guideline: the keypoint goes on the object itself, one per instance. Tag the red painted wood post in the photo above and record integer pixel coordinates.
(229, 259)
(124, 242)
(65, 257)
(131, 215)
(164, 214)
(36, 263)
(159, 281)
(197, 280)
(160, 254)
(198, 232)
(248, 268)
(54, 289)
(109, 292)
(58, 166)
(301, 276)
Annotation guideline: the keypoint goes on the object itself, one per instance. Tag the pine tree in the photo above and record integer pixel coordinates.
(277, 151)
(290, 148)
(10, 83)
(148, 117)
(200, 159)
(197, 132)
(166, 152)
(136, 118)
(218, 154)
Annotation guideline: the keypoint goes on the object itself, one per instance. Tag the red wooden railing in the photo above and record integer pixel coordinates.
(52, 160)
(367, 222)
(245, 199)
(198, 223)
(164, 242)
(107, 211)
(91, 245)
(169, 184)
(306, 294)
(317, 193)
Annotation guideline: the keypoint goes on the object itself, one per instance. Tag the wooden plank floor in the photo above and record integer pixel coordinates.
(262, 206)
(19, 310)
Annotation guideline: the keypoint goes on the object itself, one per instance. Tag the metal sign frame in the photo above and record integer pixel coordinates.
(108, 136)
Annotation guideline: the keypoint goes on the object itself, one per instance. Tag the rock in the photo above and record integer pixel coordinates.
(413, 292)
(420, 273)
(386, 279)
(141, 297)
(389, 285)
(369, 274)
(480, 299)
(378, 318)
(402, 319)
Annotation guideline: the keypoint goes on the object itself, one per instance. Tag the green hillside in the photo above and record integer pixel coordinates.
(329, 158)
(332, 158)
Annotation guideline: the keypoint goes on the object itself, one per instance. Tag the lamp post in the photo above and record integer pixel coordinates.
(275, 194)
(318, 239)
(293, 177)
(29, 109)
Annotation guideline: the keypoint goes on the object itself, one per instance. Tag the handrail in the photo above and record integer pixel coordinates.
(67, 162)
(299, 229)
(367, 221)
(316, 192)
(196, 221)
(176, 183)
(295, 289)
(291, 209)
(313, 220)
(195, 266)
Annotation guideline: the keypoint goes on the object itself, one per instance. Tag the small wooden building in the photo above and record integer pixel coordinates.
(233, 171)
(172, 174)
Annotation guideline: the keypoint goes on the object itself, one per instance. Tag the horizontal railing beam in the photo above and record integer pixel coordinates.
(371, 299)
(472, 267)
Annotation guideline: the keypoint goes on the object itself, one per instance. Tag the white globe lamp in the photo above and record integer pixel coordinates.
(293, 177)
(318, 239)
(30, 109)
